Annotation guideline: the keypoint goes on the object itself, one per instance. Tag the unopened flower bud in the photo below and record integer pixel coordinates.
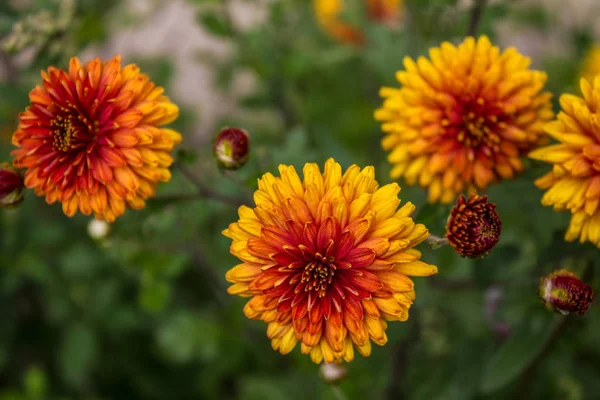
(564, 292)
(11, 186)
(333, 373)
(232, 147)
(473, 227)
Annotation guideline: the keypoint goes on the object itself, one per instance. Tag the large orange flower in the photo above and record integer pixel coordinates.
(90, 138)
(463, 119)
(326, 260)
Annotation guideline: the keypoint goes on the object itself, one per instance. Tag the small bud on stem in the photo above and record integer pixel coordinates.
(232, 148)
(11, 186)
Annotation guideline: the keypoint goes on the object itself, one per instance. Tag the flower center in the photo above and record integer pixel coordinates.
(318, 274)
(476, 123)
(70, 127)
(62, 133)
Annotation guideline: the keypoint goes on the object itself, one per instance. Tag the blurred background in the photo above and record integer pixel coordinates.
(140, 310)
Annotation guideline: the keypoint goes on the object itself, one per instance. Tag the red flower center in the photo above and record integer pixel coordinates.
(475, 122)
(316, 268)
(319, 274)
(71, 129)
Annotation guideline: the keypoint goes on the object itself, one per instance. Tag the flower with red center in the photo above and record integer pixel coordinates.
(463, 119)
(329, 15)
(573, 184)
(11, 186)
(232, 148)
(326, 260)
(91, 139)
(473, 227)
(564, 292)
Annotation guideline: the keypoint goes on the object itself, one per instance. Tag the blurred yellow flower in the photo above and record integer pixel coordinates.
(591, 63)
(329, 15)
(91, 139)
(326, 261)
(574, 182)
(463, 119)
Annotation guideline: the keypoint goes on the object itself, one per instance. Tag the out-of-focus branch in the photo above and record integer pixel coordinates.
(204, 191)
(12, 72)
(476, 17)
(400, 360)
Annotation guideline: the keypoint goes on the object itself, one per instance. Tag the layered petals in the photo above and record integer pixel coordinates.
(573, 184)
(463, 118)
(91, 139)
(326, 260)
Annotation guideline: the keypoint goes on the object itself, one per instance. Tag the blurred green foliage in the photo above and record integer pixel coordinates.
(144, 314)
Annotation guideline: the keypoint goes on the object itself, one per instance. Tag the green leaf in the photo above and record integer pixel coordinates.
(77, 354)
(518, 352)
(154, 295)
(35, 383)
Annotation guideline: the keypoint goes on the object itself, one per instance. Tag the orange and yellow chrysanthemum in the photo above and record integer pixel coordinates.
(329, 15)
(326, 261)
(574, 182)
(91, 139)
(463, 119)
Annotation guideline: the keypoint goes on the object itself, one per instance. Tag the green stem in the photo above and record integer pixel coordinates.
(338, 393)
(476, 17)
(435, 242)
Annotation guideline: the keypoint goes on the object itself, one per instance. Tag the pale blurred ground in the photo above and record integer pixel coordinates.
(170, 28)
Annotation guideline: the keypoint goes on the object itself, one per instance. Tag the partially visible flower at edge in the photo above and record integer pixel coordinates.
(11, 186)
(91, 139)
(326, 260)
(328, 14)
(591, 63)
(473, 227)
(564, 292)
(463, 119)
(573, 184)
(232, 148)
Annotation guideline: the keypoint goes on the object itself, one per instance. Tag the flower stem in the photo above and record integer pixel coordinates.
(435, 242)
(526, 378)
(204, 191)
(475, 17)
(338, 393)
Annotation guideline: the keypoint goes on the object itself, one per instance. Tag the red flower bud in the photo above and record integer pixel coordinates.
(232, 147)
(473, 227)
(11, 186)
(564, 292)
